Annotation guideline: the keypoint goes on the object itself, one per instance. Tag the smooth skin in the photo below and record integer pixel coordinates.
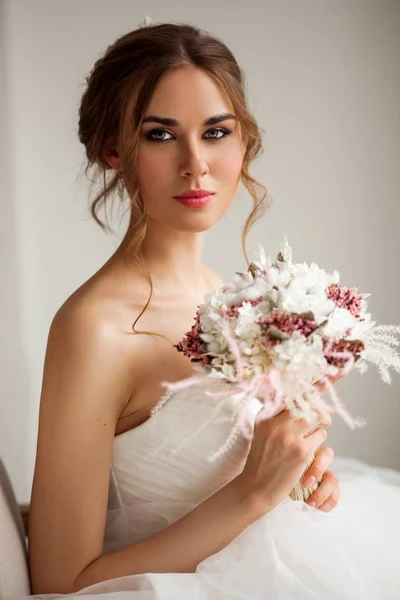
(100, 379)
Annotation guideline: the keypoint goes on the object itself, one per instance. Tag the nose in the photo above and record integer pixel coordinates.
(193, 161)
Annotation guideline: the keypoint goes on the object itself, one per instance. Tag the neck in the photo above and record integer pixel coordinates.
(173, 259)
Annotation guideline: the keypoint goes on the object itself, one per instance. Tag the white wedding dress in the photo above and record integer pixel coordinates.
(294, 552)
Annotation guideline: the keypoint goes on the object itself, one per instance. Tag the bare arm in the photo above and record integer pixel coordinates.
(87, 382)
(184, 544)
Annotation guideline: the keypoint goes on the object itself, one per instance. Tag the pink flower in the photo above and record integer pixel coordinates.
(334, 347)
(345, 298)
(286, 323)
(192, 345)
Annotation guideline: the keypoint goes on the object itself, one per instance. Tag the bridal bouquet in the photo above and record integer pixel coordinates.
(283, 332)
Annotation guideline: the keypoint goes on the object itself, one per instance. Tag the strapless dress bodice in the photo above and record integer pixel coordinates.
(148, 493)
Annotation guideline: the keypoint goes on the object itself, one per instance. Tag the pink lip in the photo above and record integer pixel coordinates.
(194, 194)
(195, 198)
(195, 201)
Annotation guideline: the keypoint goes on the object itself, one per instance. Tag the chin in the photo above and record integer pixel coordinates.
(195, 224)
(190, 220)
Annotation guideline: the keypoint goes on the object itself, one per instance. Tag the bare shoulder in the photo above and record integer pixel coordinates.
(86, 312)
(215, 278)
(89, 339)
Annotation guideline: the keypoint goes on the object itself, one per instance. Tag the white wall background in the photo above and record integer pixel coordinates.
(324, 83)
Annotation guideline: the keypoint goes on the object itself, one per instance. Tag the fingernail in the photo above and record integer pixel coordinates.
(309, 482)
(312, 504)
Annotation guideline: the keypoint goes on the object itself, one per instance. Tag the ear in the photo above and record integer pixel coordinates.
(112, 158)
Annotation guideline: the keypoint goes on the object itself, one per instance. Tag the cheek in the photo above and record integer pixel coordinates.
(154, 169)
(228, 164)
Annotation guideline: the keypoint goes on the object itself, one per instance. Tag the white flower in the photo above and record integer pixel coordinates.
(251, 290)
(340, 321)
(247, 313)
(207, 323)
(306, 291)
(248, 331)
(301, 357)
(218, 345)
(295, 299)
(360, 329)
(284, 258)
(262, 262)
(277, 277)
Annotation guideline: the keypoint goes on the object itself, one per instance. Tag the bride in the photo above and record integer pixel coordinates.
(164, 121)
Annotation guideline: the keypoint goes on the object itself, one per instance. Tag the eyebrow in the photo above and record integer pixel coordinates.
(174, 123)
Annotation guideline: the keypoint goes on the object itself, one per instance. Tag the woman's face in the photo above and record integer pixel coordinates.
(187, 154)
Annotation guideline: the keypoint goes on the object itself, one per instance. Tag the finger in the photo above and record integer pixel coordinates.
(302, 425)
(314, 439)
(323, 458)
(328, 486)
(322, 418)
(330, 503)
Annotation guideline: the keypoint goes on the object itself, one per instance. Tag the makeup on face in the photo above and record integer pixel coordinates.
(195, 198)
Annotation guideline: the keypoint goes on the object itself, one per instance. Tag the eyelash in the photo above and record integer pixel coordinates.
(153, 131)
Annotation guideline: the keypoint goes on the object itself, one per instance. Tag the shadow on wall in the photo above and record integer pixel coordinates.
(14, 384)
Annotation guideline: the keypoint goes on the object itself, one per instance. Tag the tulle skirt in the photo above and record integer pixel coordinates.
(295, 552)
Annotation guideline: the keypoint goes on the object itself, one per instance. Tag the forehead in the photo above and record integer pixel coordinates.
(189, 94)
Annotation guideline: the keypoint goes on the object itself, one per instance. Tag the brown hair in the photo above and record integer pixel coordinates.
(109, 115)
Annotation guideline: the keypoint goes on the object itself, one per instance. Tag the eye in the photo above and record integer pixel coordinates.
(158, 135)
(219, 130)
(155, 135)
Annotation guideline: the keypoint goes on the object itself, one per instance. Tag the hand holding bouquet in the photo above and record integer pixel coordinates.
(285, 333)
